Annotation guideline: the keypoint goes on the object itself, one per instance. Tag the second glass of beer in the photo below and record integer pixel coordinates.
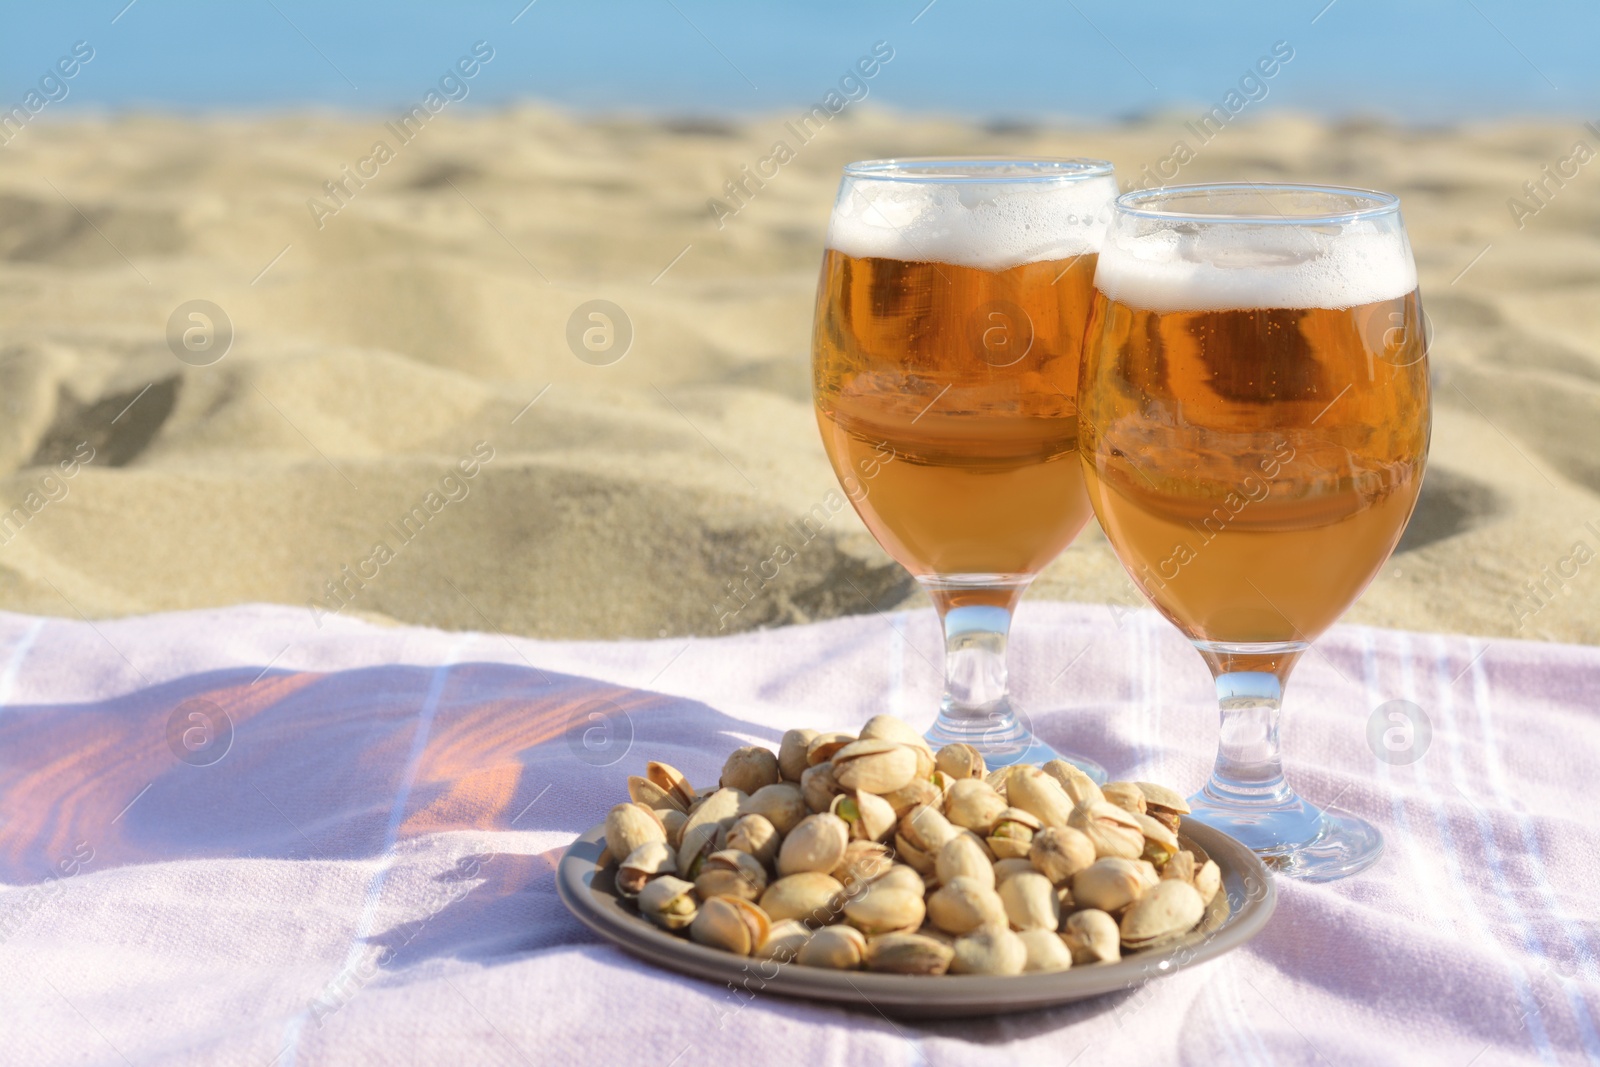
(949, 326)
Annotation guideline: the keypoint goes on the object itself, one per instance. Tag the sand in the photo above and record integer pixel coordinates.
(385, 349)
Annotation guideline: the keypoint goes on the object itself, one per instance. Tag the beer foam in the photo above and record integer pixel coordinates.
(1242, 266)
(987, 225)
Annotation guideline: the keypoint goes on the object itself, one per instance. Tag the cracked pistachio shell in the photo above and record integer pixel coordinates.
(963, 904)
(824, 745)
(818, 786)
(1000, 777)
(885, 910)
(783, 804)
(663, 786)
(1012, 835)
(732, 924)
(750, 768)
(1030, 902)
(1046, 951)
(960, 760)
(974, 804)
(668, 902)
(644, 791)
(754, 834)
(1160, 843)
(1008, 868)
(890, 728)
(1078, 786)
(1181, 866)
(1125, 795)
(810, 897)
(992, 949)
(1059, 852)
(1159, 798)
(1112, 831)
(784, 940)
(1109, 884)
(792, 753)
(731, 873)
(1169, 909)
(869, 816)
(963, 856)
(706, 823)
(874, 766)
(901, 876)
(1040, 795)
(649, 861)
(1092, 936)
(908, 954)
(817, 844)
(912, 856)
(1208, 880)
(864, 861)
(630, 825)
(841, 948)
(914, 794)
(926, 829)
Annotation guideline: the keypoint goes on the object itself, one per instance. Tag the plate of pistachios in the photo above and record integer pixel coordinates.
(868, 869)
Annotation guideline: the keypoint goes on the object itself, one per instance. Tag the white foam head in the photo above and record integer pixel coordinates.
(992, 216)
(1164, 261)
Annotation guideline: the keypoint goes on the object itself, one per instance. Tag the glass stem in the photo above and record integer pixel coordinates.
(1249, 768)
(976, 615)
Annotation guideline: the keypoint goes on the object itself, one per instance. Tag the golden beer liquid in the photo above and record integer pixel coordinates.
(946, 399)
(1255, 468)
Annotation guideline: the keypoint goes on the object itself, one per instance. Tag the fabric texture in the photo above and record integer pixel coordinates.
(240, 837)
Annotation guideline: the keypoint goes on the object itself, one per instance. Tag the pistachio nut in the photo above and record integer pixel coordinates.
(817, 844)
(819, 786)
(1158, 798)
(1000, 776)
(841, 948)
(1125, 795)
(650, 860)
(674, 821)
(754, 834)
(748, 769)
(963, 856)
(992, 949)
(889, 728)
(1009, 868)
(811, 897)
(926, 829)
(912, 856)
(1040, 795)
(668, 902)
(784, 940)
(782, 803)
(1077, 785)
(1109, 884)
(1013, 832)
(1159, 842)
(974, 804)
(731, 873)
(864, 861)
(960, 760)
(908, 954)
(1030, 902)
(1046, 951)
(732, 924)
(874, 766)
(706, 822)
(792, 753)
(644, 791)
(869, 816)
(630, 825)
(1170, 909)
(824, 745)
(1059, 852)
(902, 877)
(914, 794)
(1181, 867)
(1112, 830)
(885, 910)
(1092, 936)
(1208, 880)
(962, 905)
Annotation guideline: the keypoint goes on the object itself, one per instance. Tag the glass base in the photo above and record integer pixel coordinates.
(1296, 839)
(1005, 739)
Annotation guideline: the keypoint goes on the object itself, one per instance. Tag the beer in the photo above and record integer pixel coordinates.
(1255, 464)
(946, 398)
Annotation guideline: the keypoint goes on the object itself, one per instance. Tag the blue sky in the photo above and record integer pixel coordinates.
(1426, 61)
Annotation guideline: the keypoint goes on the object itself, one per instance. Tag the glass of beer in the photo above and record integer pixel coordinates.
(1253, 421)
(949, 326)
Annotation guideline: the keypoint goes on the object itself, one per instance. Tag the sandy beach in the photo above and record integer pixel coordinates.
(402, 428)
